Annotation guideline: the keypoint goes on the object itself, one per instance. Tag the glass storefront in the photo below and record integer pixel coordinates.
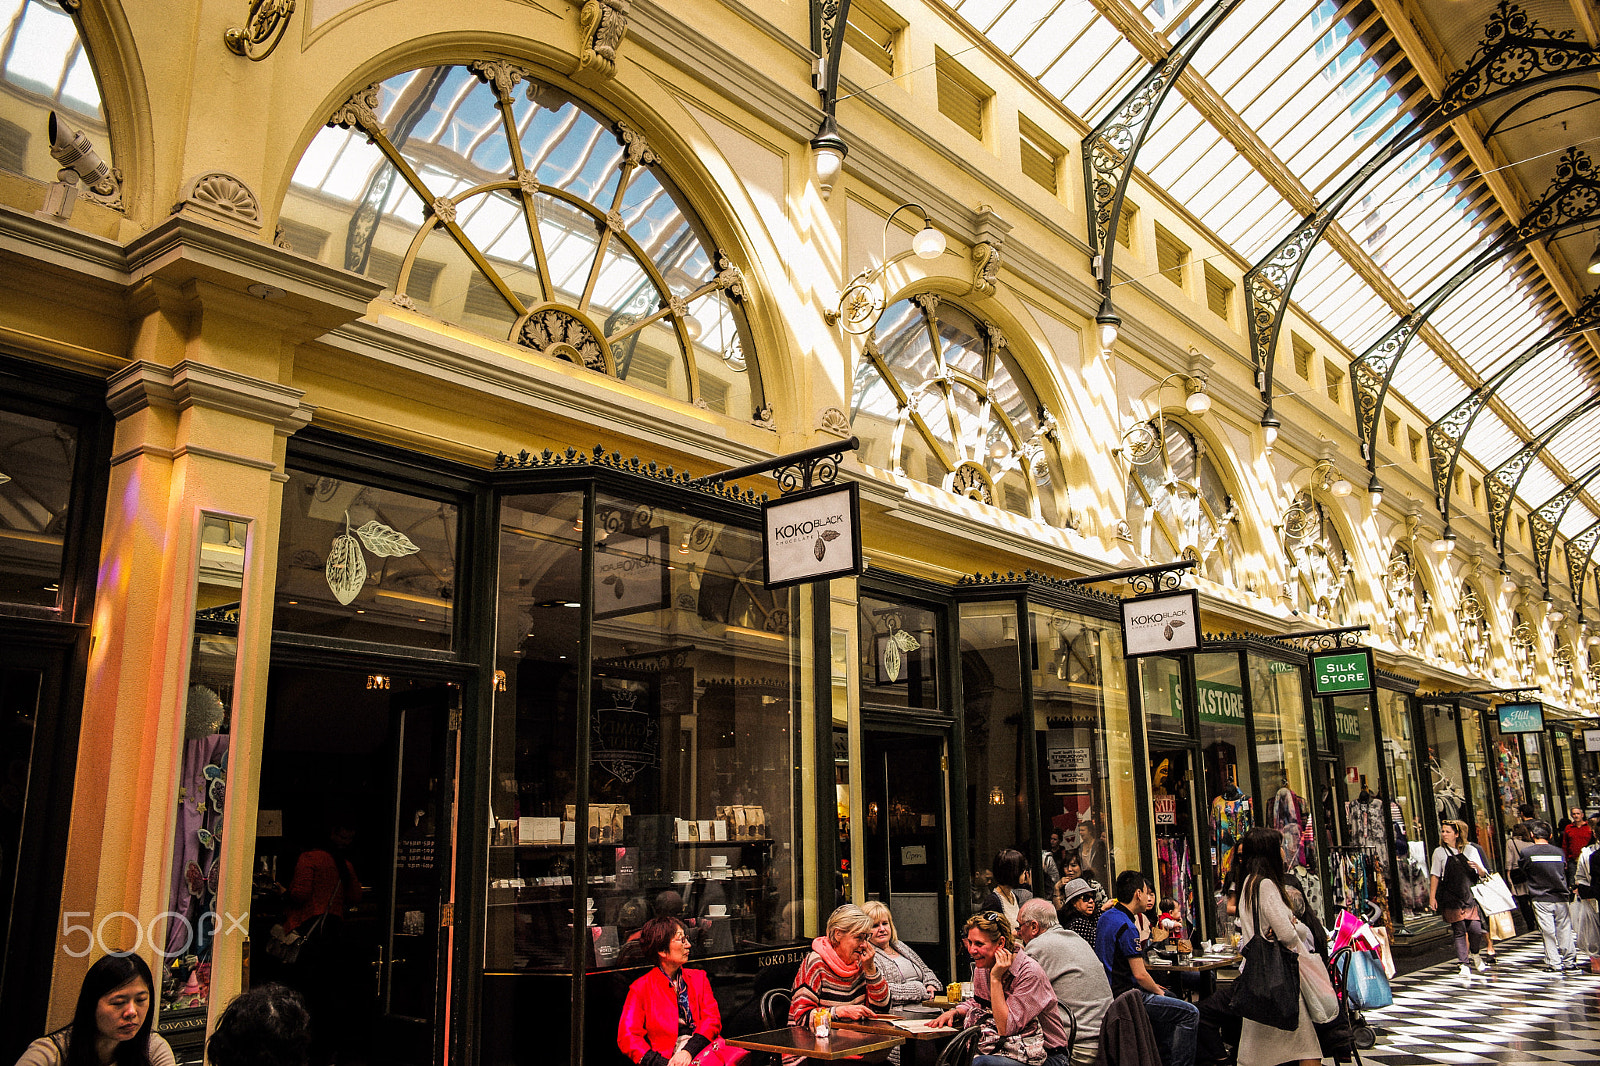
(1360, 870)
(1410, 839)
(1226, 770)
(996, 752)
(37, 459)
(1538, 777)
(1479, 782)
(1505, 755)
(1565, 772)
(1278, 708)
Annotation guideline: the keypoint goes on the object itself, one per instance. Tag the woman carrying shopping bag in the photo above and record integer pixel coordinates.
(1456, 867)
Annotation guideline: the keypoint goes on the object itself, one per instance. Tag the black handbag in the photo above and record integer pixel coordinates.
(1268, 988)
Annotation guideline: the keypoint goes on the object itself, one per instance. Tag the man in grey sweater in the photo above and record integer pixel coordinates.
(1076, 973)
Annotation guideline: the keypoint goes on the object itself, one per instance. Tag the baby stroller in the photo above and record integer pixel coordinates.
(1362, 1034)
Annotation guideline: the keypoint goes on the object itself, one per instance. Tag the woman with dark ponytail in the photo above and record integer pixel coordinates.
(111, 1024)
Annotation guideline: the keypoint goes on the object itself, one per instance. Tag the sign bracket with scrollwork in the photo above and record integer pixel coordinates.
(1326, 639)
(1143, 580)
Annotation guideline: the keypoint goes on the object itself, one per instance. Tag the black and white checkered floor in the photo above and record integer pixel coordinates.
(1515, 1013)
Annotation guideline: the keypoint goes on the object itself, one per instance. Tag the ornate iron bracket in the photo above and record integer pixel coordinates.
(1112, 148)
(1579, 551)
(1326, 639)
(1501, 484)
(1573, 198)
(1544, 520)
(1527, 692)
(795, 472)
(263, 29)
(1144, 579)
(1515, 53)
(828, 21)
(1447, 435)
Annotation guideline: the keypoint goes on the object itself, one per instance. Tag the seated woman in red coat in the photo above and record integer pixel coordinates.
(670, 1017)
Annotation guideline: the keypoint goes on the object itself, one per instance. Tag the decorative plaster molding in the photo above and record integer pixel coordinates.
(189, 384)
(602, 24)
(221, 196)
(834, 420)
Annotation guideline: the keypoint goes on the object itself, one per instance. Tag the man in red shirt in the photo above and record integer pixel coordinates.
(1576, 836)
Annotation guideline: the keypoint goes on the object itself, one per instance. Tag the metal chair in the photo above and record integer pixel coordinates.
(775, 1008)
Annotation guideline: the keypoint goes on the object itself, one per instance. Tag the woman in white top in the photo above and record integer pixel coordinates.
(1263, 910)
(111, 1023)
(1456, 867)
(910, 980)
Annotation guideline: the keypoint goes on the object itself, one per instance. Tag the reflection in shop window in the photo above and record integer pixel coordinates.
(506, 206)
(1178, 507)
(44, 67)
(1226, 758)
(1408, 833)
(692, 686)
(360, 562)
(1278, 704)
(899, 662)
(36, 461)
(995, 746)
(939, 398)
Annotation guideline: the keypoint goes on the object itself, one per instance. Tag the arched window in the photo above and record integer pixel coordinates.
(1521, 648)
(1178, 507)
(939, 397)
(44, 68)
(1563, 666)
(1319, 565)
(506, 206)
(1410, 606)
(1472, 627)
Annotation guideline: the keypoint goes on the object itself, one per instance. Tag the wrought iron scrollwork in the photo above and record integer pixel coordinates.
(1545, 520)
(263, 29)
(1514, 53)
(809, 473)
(1164, 577)
(1579, 551)
(599, 457)
(1162, 581)
(1501, 484)
(1327, 639)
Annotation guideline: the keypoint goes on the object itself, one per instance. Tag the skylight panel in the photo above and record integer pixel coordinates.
(1490, 441)
(1018, 24)
(1575, 450)
(981, 13)
(1538, 484)
(1575, 521)
(1108, 65)
(44, 41)
(1426, 383)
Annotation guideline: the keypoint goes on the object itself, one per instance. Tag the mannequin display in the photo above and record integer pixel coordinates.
(1231, 818)
(1364, 815)
(1291, 817)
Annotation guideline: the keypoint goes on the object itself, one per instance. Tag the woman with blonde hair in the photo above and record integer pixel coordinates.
(1456, 866)
(910, 980)
(840, 973)
(1012, 1001)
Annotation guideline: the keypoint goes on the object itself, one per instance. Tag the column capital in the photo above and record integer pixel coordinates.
(189, 384)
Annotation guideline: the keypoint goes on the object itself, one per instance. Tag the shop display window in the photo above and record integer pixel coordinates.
(1085, 749)
(899, 655)
(1533, 758)
(1161, 684)
(1565, 784)
(1277, 694)
(1511, 791)
(996, 755)
(36, 463)
(1478, 779)
(1226, 757)
(1400, 756)
(688, 752)
(360, 562)
(1359, 871)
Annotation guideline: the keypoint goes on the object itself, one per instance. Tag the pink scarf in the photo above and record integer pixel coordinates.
(830, 958)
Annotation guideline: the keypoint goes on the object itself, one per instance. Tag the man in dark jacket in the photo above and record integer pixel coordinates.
(1545, 868)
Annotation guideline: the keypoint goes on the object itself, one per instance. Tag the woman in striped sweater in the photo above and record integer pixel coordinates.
(840, 972)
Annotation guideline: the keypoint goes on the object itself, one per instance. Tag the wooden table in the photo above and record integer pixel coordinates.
(1199, 964)
(922, 1049)
(799, 1040)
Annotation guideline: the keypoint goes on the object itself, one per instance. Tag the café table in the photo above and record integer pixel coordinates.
(1207, 965)
(923, 1048)
(800, 1040)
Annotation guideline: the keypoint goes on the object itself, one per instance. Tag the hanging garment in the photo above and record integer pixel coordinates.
(1365, 819)
(1290, 817)
(1231, 819)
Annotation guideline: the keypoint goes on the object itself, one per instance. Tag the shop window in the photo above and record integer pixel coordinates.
(692, 688)
(1278, 707)
(946, 386)
(37, 456)
(44, 67)
(1178, 507)
(899, 661)
(1226, 760)
(1361, 873)
(1085, 748)
(1400, 754)
(529, 217)
(996, 751)
(1478, 780)
(1172, 256)
(962, 97)
(1472, 628)
(1319, 565)
(360, 562)
(1042, 155)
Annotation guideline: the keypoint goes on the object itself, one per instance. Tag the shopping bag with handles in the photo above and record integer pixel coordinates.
(1365, 986)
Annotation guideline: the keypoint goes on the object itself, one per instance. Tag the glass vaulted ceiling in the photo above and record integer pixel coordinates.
(1324, 85)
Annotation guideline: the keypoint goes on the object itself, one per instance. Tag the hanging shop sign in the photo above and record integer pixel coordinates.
(1220, 703)
(1163, 624)
(1342, 672)
(811, 536)
(1525, 717)
(1591, 740)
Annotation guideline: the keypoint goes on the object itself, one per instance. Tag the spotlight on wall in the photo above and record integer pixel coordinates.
(79, 162)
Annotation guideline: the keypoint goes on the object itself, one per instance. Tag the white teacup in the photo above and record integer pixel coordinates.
(719, 860)
(680, 877)
(717, 910)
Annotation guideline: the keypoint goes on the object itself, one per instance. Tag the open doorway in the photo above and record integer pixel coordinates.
(360, 767)
(907, 861)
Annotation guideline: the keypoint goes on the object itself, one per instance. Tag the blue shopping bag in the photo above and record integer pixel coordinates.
(1365, 986)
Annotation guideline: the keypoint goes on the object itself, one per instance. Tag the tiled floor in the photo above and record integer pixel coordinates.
(1514, 1013)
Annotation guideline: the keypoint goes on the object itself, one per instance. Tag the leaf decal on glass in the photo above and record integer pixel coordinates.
(385, 542)
(905, 641)
(616, 583)
(346, 569)
(891, 661)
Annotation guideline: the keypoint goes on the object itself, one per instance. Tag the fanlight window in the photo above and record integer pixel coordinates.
(505, 206)
(1319, 565)
(1410, 606)
(44, 67)
(1521, 648)
(938, 397)
(1178, 507)
(1472, 627)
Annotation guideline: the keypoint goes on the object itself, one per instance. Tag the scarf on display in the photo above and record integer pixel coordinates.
(845, 971)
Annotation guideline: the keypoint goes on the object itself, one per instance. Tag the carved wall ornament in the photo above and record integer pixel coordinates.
(280, 239)
(602, 24)
(835, 421)
(764, 418)
(219, 195)
(444, 209)
(502, 74)
(985, 267)
(637, 148)
(728, 278)
(556, 333)
(401, 300)
(972, 481)
(529, 183)
(360, 112)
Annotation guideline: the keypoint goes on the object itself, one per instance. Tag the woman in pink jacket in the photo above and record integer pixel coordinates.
(670, 1017)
